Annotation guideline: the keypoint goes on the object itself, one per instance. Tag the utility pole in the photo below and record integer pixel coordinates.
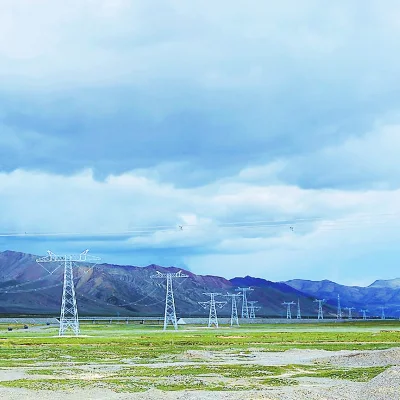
(320, 311)
(245, 307)
(364, 313)
(288, 308)
(234, 312)
(212, 318)
(298, 309)
(253, 309)
(350, 309)
(339, 308)
(69, 310)
(169, 314)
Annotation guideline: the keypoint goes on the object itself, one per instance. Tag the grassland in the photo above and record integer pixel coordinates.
(131, 358)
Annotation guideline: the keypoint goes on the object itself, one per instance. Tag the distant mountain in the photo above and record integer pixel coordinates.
(372, 297)
(391, 283)
(26, 288)
(107, 289)
(275, 293)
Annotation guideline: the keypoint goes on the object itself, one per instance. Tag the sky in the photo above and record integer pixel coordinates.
(228, 138)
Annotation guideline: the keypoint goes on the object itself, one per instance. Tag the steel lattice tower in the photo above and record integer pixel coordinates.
(288, 308)
(298, 309)
(245, 307)
(364, 313)
(170, 314)
(320, 311)
(339, 308)
(69, 310)
(234, 312)
(253, 309)
(212, 318)
(350, 309)
(383, 316)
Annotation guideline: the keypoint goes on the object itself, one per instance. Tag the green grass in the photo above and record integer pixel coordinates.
(350, 374)
(212, 378)
(122, 357)
(113, 345)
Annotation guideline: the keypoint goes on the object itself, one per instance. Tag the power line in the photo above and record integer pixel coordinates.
(323, 223)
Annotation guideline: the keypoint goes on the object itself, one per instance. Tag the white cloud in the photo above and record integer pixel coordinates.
(363, 161)
(352, 223)
(275, 73)
(226, 44)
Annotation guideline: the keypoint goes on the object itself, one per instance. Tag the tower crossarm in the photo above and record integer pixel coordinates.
(247, 289)
(165, 275)
(82, 257)
(232, 294)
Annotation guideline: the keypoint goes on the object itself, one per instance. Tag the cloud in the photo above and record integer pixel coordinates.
(135, 220)
(118, 115)
(366, 161)
(213, 88)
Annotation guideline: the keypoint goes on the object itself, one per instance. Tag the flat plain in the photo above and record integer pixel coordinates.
(352, 360)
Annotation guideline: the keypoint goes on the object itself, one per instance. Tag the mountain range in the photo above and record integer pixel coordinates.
(123, 290)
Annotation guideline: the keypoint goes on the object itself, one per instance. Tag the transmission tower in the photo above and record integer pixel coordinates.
(320, 311)
(69, 309)
(212, 318)
(253, 309)
(245, 307)
(383, 312)
(234, 313)
(339, 308)
(364, 313)
(170, 314)
(288, 308)
(298, 309)
(350, 309)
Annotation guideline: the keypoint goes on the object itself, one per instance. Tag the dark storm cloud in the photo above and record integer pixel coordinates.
(197, 93)
(113, 131)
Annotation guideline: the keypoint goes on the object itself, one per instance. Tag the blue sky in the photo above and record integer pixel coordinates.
(120, 116)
